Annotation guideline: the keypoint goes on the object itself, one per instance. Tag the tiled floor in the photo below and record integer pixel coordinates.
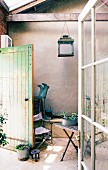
(50, 157)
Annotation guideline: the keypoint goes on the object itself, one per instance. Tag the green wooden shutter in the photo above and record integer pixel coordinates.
(16, 93)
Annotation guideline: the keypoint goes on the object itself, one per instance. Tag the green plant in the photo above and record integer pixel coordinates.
(22, 147)
(2, 134)
(71, 116)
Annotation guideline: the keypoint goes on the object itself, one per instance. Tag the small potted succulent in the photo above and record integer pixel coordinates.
(70, 119)
(23, 151)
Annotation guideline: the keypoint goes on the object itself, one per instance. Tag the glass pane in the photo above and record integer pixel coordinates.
(87, 143)
(101, 148)
(87, 92)
(102, 32)
(101, 100)
(66, 49)
(87, 42)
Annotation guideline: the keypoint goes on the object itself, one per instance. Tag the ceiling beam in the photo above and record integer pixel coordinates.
(53, 17)
(4, 5)
(27, 6)
(45, 17)
(105, 2)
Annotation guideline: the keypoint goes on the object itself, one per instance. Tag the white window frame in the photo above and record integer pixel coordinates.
(90, 7)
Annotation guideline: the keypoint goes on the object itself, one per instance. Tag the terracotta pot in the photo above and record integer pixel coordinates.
(23, 154)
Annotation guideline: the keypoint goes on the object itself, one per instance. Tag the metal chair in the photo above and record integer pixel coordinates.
(42, 134)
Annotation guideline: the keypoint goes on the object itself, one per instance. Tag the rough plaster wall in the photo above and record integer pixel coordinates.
(61, 74)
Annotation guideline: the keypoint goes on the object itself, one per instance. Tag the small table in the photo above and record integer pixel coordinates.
(72, 129)
(36, 153)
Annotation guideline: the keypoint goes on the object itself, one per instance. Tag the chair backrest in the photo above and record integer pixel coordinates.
(38, 117)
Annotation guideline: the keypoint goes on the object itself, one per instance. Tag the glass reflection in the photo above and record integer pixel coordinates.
(101, 99)
(87, 42)
(101, 32)
(101, 147)
(87, 93)
(87, 143)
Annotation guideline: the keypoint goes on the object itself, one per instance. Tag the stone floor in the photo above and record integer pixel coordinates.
(50, 157)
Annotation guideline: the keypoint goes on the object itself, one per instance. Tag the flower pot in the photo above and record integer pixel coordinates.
(23, 154)
(67, 122)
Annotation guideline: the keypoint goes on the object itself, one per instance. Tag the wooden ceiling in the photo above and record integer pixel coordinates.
(105, 2)
(37, 6)
(42, 6)
(29, 12)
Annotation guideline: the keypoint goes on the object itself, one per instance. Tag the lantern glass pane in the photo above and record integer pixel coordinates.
(66, 49)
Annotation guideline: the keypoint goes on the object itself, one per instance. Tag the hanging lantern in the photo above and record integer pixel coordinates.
(65, 46)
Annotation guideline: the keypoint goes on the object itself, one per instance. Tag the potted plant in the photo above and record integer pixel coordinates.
(23, 151)
(70, 119)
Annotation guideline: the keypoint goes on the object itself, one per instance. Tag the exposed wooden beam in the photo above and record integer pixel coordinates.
(45, 17)
(53, 17)
(27, 6)
(102, 17)
(105, 2)
(35, 8)
(3, 4)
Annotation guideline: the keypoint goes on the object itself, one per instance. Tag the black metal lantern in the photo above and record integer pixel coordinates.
(65, 46)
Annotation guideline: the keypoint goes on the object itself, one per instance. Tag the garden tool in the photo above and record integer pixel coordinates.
(44, 91)
(41, 90)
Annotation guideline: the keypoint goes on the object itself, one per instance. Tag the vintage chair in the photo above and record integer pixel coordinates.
(42, 134)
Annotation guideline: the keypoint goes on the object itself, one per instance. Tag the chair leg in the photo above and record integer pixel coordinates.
(51, 134)
(43, 103)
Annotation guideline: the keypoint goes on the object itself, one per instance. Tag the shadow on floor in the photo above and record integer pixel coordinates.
(50, 157)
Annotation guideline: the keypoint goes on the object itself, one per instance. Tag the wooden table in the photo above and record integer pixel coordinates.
(72, 129)
(52, 122)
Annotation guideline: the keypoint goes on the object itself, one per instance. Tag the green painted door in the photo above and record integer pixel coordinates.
(16, 92)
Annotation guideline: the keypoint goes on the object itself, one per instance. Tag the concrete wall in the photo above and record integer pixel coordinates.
(61, 74)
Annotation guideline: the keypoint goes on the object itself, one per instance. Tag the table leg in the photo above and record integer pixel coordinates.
(70, 138)
(67, 144)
